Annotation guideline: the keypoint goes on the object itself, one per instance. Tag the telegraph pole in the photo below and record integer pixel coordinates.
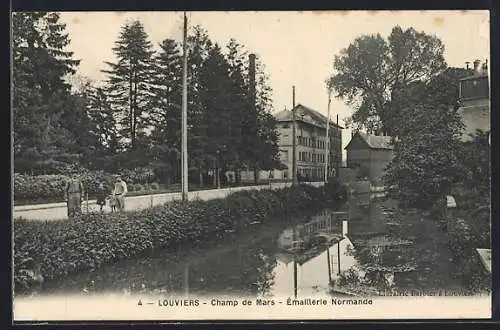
(184, 116)
(339, 155)
(294, 138)
(327, 142)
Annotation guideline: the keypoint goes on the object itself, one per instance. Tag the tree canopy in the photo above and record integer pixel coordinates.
(133, 118)
(372, 69)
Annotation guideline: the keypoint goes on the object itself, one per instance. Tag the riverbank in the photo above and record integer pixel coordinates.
(413, 255)
(51, 250)
(58, 211)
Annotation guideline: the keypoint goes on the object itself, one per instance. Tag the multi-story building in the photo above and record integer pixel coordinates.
(310, 132)
(475, 100)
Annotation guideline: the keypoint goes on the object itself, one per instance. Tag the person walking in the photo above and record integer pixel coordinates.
(102, 194)
(119, 192)
(74, 195)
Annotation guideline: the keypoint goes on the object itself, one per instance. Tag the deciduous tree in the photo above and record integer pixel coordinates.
(372, 69)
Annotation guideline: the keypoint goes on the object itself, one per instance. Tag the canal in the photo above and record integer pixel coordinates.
(298, 257)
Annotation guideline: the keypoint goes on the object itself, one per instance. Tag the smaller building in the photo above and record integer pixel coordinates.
(475, 101)
(370, 155)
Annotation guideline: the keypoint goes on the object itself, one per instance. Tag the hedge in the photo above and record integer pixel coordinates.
(59, 248)
(464, 238)
(39, 187)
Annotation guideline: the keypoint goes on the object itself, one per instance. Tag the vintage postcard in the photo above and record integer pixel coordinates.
(270, 165)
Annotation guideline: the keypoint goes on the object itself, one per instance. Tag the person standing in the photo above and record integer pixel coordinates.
(74, 195)
(119, 192)
(102, 193)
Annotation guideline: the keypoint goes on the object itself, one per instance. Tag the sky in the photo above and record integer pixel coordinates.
(297, 48)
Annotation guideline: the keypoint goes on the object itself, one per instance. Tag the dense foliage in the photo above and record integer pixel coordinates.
(51, 186)
(372, 69)
(402, 86)
(57, 248)
(465, 236)
(132, 119)
(41, 100)
(426, 164)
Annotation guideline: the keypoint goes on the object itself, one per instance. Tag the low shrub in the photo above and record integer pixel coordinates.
(463, 240)
(137, 187)
(41, 187)
(60, 248)
(141, 175)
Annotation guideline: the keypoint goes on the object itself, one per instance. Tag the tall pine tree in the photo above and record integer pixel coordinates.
(129, 81)
(219, 113)
(237, 59)
(267, 135)
(166, 111)
(199, 45)
(41, 96)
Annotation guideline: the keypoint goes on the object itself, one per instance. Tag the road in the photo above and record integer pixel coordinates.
(58, 211)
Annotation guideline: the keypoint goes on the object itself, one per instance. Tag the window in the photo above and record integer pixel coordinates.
(286, 125)
(284, 155)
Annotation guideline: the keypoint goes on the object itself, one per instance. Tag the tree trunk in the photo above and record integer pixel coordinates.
(237, 176)
(131, 109)
(256, 175)
(201, 177)
(215, 175)
(135, 113)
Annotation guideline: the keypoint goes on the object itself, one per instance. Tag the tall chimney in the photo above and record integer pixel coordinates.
(467, 65)
(485, 66)
(251, 74)
(476, 66)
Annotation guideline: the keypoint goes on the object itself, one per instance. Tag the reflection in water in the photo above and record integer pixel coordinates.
(281, 259)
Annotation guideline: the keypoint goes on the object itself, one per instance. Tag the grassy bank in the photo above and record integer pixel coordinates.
(54, 249)
(469, 230)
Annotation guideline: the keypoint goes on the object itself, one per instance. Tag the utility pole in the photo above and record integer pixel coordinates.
(339, 155)
(294, 138)
(327, 142)
(184, 116)
(253, 110)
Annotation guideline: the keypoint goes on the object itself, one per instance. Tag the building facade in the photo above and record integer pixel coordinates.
(370, 155)
(310, 133)
(475, 101)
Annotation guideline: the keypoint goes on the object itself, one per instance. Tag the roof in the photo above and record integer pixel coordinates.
(475, 76)
(373, 141)
(310, 116)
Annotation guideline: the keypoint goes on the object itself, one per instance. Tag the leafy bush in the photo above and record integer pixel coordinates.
(63, 247)
(40, 187)
(140, 175)
(464, 238)
(154, 186)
